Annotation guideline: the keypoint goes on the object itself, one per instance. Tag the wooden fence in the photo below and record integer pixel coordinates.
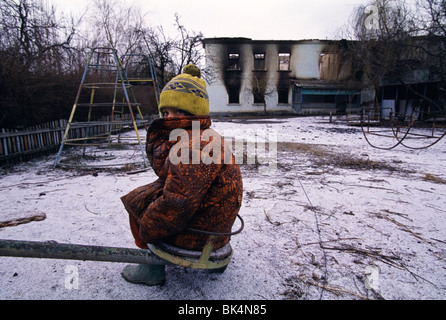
(19, 145)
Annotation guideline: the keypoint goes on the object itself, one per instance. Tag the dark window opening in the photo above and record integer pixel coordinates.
(234, 95)
(329, 66)
(234, 61)
(283, 94)
(329, 98)
(259, 61)
(259, 97)
(284, 61)
(318, 98)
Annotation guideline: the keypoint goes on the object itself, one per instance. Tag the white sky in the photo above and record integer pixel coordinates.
(261, 19)
(256, 19)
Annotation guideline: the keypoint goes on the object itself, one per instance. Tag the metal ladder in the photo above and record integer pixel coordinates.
(146, 72)
(104, 74)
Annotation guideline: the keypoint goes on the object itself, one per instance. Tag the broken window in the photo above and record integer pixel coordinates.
(328, 66)
(234, 61)
(283, 94)
(259, 96)
(233, 94)
(259, 61)
(284, 61)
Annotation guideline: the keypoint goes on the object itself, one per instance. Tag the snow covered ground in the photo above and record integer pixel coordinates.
(333, 218)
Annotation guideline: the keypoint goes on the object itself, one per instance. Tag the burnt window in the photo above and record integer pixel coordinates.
(259, 61)
(259, 97)
(234, 61)
(284, 61)
(283, 94)
(233, 94)
(329, 66)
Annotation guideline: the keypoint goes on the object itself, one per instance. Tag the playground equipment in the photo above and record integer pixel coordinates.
(106, 88)
(160, 253)
(412, 128)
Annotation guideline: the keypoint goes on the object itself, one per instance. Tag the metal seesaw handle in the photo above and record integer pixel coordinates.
(65, 251)
(221, 233)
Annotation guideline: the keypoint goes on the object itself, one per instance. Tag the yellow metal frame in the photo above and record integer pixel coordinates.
(202, 262)
(197, 260)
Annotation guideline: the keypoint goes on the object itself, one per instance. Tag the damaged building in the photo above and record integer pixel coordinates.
(283, 76)
(415, 86)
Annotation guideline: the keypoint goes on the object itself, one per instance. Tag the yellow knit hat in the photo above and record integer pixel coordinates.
(186, 92)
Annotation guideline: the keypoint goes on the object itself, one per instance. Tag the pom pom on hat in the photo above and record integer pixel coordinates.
(186, 92)
(193, 70)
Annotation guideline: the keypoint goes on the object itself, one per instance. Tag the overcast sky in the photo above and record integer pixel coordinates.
(256, 19)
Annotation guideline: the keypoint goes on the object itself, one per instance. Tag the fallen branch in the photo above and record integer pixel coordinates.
(444, 242)
(403, 215)
(267, 216)
(14, 221)
(336, 291)
(378, 256)
(418, 276)
(326, 241)
(136, 171)
(434, 207)
(370, 253)
(269, 219)
(399, 224)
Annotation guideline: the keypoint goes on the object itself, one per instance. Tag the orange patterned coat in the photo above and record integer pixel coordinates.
(188, 194)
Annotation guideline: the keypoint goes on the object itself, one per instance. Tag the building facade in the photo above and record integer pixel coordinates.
(284, 76)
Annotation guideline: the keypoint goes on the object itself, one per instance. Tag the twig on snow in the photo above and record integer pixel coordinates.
(337, 291)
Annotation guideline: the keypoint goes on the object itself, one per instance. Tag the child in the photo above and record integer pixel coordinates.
(189, 194)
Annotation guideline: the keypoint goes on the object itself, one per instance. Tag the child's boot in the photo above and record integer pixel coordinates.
(148, 274)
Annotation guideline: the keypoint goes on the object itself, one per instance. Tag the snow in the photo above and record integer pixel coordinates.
(327, 217)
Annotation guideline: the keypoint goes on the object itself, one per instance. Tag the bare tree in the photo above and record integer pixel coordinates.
(35, 46)
(171, 54)
(44, 53)
(32, 30)
(117, 25)
(188, 46)
(260, 89)
(395, 45)
(431, 23)
(160, 49)
(381, 32)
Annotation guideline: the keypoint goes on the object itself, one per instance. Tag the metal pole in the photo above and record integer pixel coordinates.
(54, 250)
(124, 81)
(67, 129)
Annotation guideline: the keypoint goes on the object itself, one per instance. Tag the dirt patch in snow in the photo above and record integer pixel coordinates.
(322, 156)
